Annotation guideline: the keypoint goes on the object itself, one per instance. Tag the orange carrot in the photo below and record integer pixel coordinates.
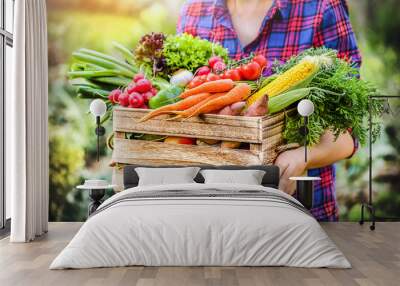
(187, 112)
(221, 85)
(180, 105)
(238, 93)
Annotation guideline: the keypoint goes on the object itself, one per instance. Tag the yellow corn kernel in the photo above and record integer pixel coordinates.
(285, 81)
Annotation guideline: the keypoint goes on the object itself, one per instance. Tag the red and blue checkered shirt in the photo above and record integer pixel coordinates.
(289, 27)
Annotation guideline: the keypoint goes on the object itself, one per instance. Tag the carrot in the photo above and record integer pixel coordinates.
(180, 105)
(187, 112)
(238, 93)
(221, 85)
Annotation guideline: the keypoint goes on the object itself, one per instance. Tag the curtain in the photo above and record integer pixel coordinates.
(26, 124)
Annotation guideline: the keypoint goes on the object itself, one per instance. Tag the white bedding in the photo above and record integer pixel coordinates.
(183, 231)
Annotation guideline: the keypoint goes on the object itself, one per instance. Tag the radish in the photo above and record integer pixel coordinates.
(114, 95)
(136, 100)
(213, 60)
(123, 99)
(143, 85)
(132, 87)
(219, 67)
(147, 96)
(204, 70)
(138, 77)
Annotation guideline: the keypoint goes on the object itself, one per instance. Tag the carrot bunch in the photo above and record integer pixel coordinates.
(208, 97)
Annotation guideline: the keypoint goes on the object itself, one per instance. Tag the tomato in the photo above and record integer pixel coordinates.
(212, 77)
(261, 60)
(213, 60)
(250, 71)
(233, 74)
(204, 70)
(219, 67)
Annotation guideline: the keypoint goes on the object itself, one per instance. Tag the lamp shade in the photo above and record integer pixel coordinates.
(98, 107)
(305, 107)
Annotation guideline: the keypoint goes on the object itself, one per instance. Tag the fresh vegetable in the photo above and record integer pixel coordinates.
(114, 96)
(180, 140)
(239, 93)
(258, 108)
(233, 109)
(219, 67)
(143, 85)
(204, 70)
(180, 105)
(213, 77)
(138, 77)
(123, 99)
(250, 71)
(230, 145)
(261, 60)
(213, 60)
(181, 78)
(201, 141)
(233, 74)
(341, 99)
(221, 85)
(184, 51)
(149, 53)
(284, 100)
(136, 100)
(298, 76)
(165, 96)
(187, 112)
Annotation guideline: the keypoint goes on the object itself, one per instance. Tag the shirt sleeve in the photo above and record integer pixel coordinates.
(335, 31)
(182, 19)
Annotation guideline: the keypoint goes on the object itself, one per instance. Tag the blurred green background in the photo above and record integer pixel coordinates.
(94, 24)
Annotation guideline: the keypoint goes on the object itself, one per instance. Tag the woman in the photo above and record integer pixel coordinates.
(278, 30)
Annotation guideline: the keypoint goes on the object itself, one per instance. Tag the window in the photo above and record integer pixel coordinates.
(6, 60)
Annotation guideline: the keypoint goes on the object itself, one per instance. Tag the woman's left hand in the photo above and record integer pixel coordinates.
(291, 164)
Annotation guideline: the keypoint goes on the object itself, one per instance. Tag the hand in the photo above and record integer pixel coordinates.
(291, 164)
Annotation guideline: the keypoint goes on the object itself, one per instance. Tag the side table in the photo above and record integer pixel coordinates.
(305, 190)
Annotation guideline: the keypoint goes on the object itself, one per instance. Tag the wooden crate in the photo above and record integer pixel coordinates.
(262, 134)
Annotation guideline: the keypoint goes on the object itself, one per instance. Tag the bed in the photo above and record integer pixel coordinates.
(198, 224)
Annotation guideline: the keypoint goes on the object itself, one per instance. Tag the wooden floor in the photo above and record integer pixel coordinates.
(375, 257)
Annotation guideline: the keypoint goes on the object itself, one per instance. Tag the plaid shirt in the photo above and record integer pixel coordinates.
(289, 27)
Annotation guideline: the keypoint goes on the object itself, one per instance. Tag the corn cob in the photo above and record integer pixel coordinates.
(298, 76)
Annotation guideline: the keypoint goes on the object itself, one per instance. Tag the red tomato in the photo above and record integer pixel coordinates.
(212, 77)
(261, 60)
(204, 70)
(213, 60)
(251, 71)
(233, 74)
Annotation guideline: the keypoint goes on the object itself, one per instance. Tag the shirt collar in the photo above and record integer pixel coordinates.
(220, 11)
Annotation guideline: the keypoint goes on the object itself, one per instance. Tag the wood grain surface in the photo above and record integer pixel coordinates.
(374, 255)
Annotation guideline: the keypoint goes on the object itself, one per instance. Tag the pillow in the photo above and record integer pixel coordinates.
(247, 177)
(166, 176)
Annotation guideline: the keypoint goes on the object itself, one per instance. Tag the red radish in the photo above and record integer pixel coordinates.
(138, 77)
(132, 87)
(261, 60)
(143, 85)
(144, 106)
(147, 96)
(213, 60)
(219, 67)
(123, 99)
(212, 77)
(136, 100)
(153, 90)
(251, 71)
(114, 95)
(204, 70)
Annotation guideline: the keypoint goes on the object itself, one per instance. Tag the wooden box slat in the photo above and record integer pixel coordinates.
(128, 151)
(210, 126)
